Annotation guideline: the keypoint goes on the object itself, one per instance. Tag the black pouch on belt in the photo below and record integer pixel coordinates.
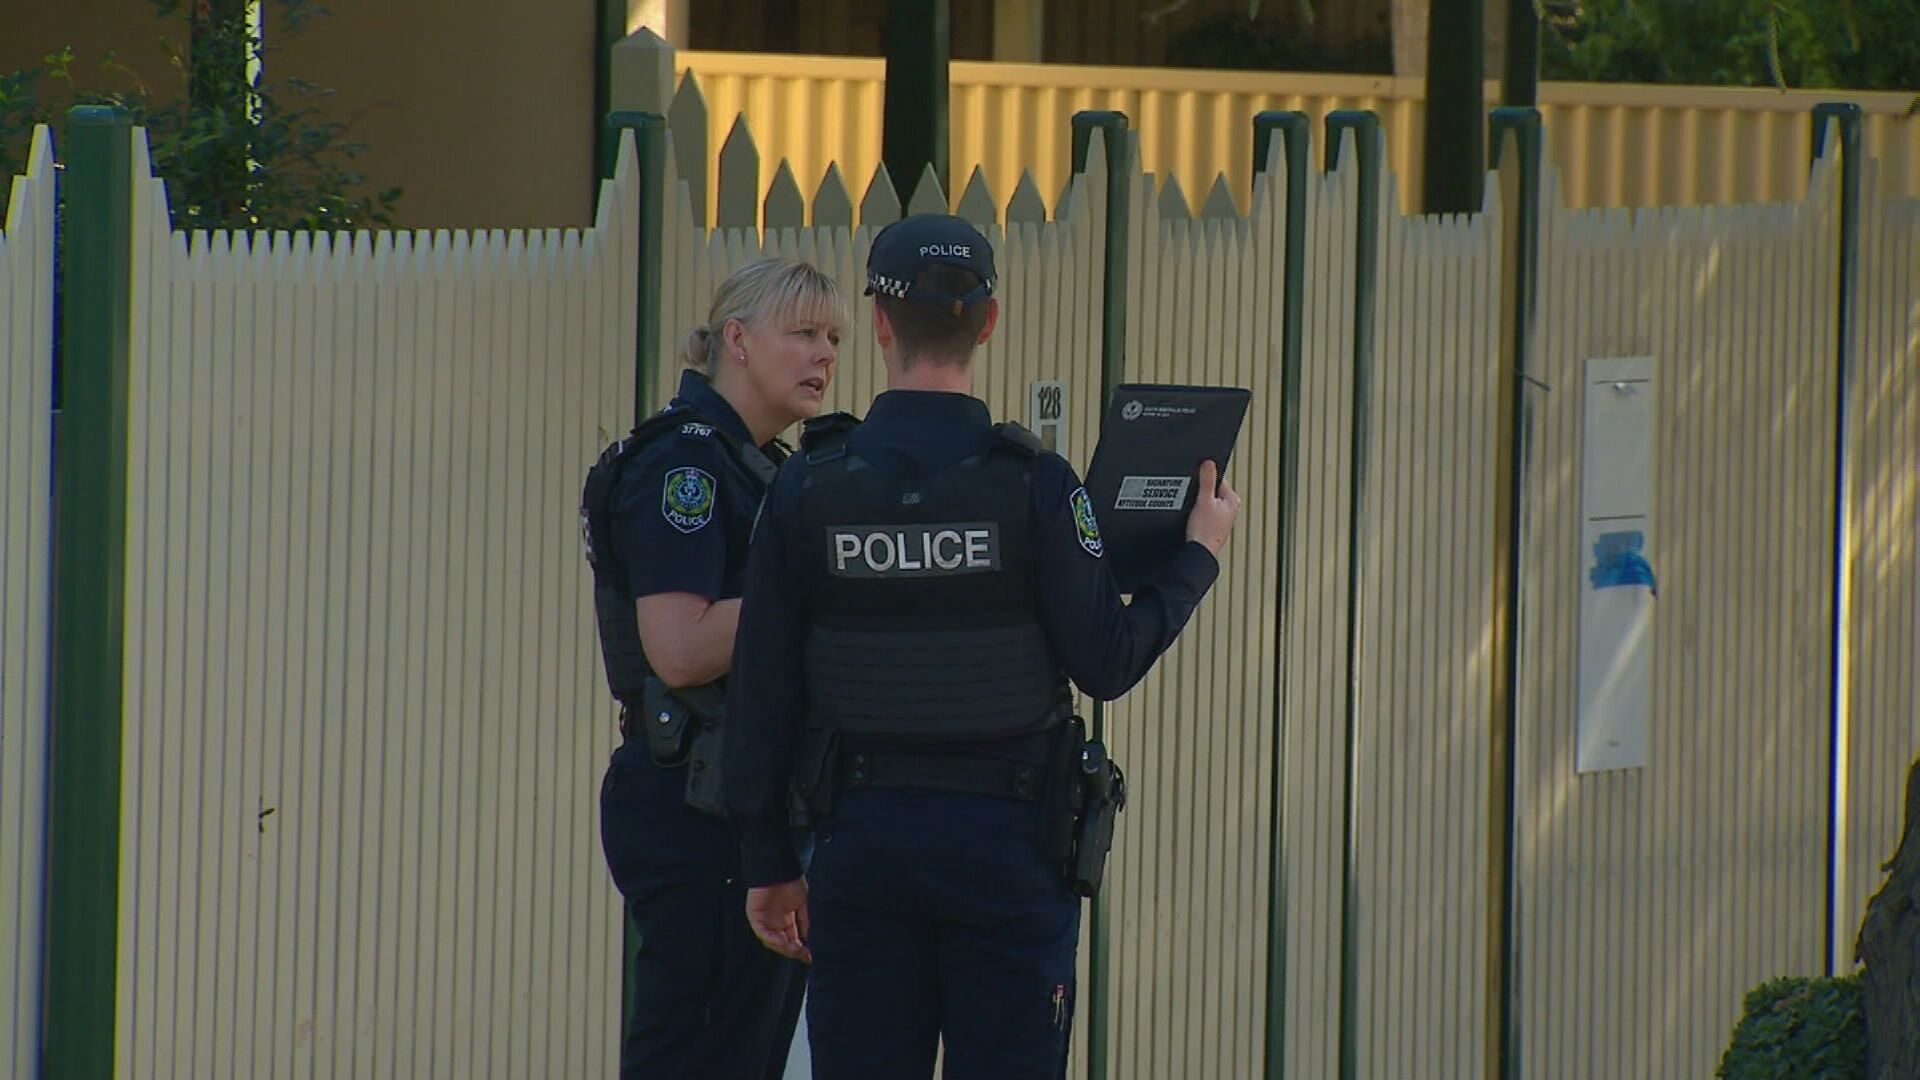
(668, 722)
(706, 781)
(815, 768)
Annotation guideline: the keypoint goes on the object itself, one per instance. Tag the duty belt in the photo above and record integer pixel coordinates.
(942, 772)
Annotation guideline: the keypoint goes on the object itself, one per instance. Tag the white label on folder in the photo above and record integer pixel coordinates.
(1152, 493)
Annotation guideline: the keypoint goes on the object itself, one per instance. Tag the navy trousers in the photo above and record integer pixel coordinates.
(709, 1001)
(936, 918)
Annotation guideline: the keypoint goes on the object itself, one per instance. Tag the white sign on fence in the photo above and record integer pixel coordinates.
(1617, 595)
(1047, 412)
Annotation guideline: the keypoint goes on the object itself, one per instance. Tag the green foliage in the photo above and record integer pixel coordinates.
(237, 150)
(1800, 1029)
(1281, 40)
(1839, 44)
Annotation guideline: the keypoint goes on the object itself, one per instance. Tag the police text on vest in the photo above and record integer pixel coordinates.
(870, 551)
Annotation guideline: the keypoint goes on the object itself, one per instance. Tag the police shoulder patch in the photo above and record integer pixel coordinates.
(1084, 523)
(687, 498)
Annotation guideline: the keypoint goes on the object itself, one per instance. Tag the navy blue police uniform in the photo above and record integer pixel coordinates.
(677, 500)
(921, 588)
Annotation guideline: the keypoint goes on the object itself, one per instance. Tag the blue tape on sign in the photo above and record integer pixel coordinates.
(1618, 562)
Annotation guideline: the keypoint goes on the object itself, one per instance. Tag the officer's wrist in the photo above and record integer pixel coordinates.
(1196, 558)
(767, 856)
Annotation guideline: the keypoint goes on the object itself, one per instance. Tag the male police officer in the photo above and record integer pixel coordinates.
(921, 587)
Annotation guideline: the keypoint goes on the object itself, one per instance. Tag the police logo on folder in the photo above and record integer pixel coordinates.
(1142, 479)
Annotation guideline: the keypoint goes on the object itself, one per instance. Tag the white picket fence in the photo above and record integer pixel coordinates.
(1882, 687)
(1649, 900)
(366, 720)
(26, 577)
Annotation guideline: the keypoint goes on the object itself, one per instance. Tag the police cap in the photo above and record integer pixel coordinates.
(909, 245)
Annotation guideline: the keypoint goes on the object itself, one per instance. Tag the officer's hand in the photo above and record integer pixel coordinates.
(778, 915)
(1213, 513)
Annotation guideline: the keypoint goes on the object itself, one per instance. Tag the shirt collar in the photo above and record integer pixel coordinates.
(921, 406)
(697, 390)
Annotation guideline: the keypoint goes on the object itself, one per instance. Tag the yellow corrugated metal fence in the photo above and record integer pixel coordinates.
(1615, 145)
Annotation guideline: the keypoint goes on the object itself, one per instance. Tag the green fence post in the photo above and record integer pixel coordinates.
(1844, 119)
(1293, 130)
(1365, 129)
(1522, 246)
(913, 135)
(650, 146)
(650, 143)
(1451, 154)
(1113, 303)
(609, 26)
(1113, 353)
(89, 598)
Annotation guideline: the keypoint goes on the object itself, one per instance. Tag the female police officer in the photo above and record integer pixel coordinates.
(668, 512)
(921, 588)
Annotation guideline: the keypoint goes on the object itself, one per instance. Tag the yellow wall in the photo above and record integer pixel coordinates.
(482, 111)
(1616, 145)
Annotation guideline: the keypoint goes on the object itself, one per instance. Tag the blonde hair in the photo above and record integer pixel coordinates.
(761, 290)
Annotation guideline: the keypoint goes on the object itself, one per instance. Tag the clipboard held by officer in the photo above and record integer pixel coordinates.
(1141, 481)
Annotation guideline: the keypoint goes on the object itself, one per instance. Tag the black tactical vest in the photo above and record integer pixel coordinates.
(620, 649)
(922, 592)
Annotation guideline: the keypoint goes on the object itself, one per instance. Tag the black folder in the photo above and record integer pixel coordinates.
(1142, 481)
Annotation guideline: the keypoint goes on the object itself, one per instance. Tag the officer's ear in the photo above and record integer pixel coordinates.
(993, 319)
(733, 336)
(882, 329)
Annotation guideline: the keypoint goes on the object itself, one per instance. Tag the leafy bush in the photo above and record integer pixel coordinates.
(1849, 44)
(1280, 38)
(1800, 1029)
(238, 150)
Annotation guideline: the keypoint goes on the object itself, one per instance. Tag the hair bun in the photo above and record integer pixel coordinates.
(698, 345)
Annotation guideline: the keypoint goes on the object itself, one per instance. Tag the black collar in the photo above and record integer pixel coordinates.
(697, 391)
(922, 406)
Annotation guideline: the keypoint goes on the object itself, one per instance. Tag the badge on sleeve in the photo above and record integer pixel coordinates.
(1084, 524)
(687, 501)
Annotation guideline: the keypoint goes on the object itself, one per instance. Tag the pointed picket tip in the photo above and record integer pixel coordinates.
(40, 152)
(739, 202)
(881, 204)
(1026, 206)
(928, 197)
(977, 203)
(645, 37)
(1062, 206)
(832, 203)
(1220, 202)
(687, 125)
(640, 72)
(688, 96)
(1264, 189)
(1173, 201)
(785, 208)
(1097, 151)
(739, 142)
